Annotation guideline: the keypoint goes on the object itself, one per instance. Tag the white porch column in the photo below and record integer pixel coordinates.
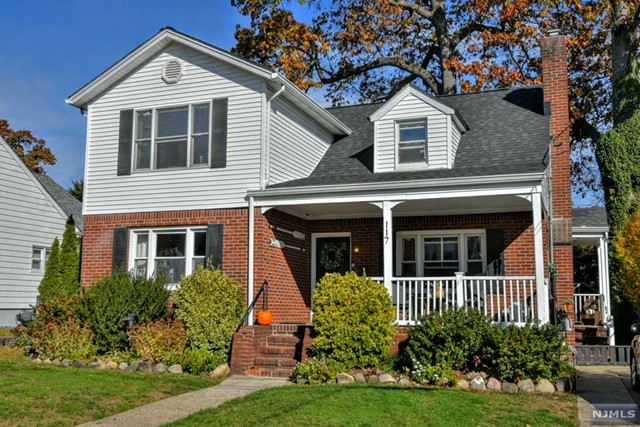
(541, 287)
(250, 260)
(387, 236)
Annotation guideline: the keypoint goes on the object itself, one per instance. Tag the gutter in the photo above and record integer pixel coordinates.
(398, 185)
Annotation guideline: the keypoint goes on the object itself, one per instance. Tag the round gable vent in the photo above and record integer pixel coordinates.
(172, 71)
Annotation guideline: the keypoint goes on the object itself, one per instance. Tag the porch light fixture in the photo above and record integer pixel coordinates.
(356, 249)
(282, 245)
(296, 234)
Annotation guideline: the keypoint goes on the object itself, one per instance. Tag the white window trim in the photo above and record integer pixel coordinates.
(462, 246)
(152, 154)
(151, 247)
(43, 259)
(416, 165)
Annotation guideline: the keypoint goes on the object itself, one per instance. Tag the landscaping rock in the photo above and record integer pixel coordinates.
(123, 366)
(509, 388)
(526, 386)
(360, 379)
(37, 361)
(175, 369)
(160, 368)
(301, 380)
(494, 384)
(46, 362)
(563, 384)
(145, 366)
(545, 386)
(478, 384)
(220, 372)
(93, 365)
(403, 382)
(111, 365)
(56, 362)
(133, 366)
(463, 384)
(66, 363)
(79, 364)
(373, 379)
(344, 378)
(386, 379)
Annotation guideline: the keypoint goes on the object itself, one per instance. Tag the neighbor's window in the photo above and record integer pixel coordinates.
(39, 258)
(412, 142)
(172, 252)
(172, 137)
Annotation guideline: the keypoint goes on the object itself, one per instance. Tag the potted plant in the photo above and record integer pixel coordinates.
(568, 306)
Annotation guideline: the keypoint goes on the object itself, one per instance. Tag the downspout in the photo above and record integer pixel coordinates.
(264, 180)
(250, 260)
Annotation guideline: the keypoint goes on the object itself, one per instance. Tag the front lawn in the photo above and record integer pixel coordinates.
(5, 332)
(48, 395)
(384, 406)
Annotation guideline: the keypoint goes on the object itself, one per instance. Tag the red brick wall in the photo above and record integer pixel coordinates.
(97, 241)
(556, 92)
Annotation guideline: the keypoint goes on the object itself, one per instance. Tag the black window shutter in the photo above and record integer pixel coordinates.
(213, 252)
(124, 142)
(219, 143)
(120, 237)
(495, 249)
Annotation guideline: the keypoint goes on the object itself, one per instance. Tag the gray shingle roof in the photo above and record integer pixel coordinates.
(508, 134)
(590, 217)
(69, 204)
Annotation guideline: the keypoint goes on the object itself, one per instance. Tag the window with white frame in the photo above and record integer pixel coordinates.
(412, 142)
(39, 258)
(171, 252)
(435, 254)
(172, 137)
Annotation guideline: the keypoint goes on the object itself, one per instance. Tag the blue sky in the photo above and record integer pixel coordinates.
(51, 48)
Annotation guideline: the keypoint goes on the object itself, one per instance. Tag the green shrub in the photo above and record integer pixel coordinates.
(67, 339)
(352, 320)
(107, 303)
(210, 304)
(316, 370)
(161, 341)
(197, 361)
(61, 278)
(434, 375)
(51, 279)
(453, 340)
(531, 351)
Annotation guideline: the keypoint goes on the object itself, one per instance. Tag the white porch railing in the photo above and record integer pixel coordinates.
(503, 299)
(584, 303)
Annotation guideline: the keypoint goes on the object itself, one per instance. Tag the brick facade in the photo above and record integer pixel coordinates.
(556, 93)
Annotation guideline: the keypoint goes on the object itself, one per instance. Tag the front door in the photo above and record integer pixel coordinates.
(332, 255)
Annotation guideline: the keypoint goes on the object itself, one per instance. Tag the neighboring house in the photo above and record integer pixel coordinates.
(33, 212)
(196, 154)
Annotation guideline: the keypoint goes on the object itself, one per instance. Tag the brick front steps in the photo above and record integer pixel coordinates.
(271, 351)
(591, 335)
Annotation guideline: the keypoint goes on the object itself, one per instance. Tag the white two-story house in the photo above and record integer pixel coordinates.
(194, 154)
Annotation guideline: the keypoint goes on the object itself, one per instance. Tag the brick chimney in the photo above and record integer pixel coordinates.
(556, 96)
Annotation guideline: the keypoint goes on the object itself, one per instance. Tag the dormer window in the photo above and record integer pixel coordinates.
(412, 142)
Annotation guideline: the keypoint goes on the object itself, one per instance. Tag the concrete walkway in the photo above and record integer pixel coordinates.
(177, 407)
(603, 386)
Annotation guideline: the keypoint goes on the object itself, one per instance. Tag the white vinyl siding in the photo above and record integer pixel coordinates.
(455, 140)
(296, 145)
(28, 220)
(204, 79)
(386, 139)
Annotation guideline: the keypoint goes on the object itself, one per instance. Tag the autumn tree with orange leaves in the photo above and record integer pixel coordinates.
(31, 150)
(366, 50)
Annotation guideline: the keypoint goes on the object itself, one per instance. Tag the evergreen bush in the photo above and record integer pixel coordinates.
(51, 279)
(61, 276)
(107, 302)
(352, 321)
(210, 304)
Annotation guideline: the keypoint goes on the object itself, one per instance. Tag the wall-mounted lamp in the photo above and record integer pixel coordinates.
(281, 245)
(356, 249)
(296, 234)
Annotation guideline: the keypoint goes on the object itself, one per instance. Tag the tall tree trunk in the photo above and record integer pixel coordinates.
(448, 84)
(623, 46)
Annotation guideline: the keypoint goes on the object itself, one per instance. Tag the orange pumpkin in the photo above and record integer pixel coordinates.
(265, 317)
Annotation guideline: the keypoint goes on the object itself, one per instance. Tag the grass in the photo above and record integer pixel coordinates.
(383, 406)
(46, 395)
(5, 332)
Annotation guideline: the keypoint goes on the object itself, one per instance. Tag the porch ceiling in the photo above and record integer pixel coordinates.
(442, 206)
